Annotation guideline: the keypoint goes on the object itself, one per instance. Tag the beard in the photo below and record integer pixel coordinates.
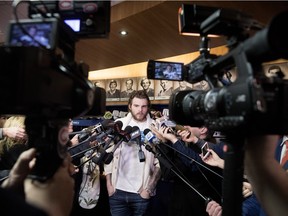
(139, 116)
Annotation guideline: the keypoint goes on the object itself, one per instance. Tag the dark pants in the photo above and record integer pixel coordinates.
(125, 204)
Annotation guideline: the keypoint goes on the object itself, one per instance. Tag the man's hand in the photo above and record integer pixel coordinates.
(55, 196)
(213, 209)
(20, 170)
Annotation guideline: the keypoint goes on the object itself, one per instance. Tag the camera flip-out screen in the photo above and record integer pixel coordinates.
(32, 33)
(162, 70)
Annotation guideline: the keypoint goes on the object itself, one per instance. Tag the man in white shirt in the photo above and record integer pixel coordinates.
(130, 181)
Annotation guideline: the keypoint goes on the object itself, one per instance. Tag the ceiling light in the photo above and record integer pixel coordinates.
(123, 32)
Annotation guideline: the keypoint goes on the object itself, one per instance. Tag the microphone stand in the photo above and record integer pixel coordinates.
(169, 166)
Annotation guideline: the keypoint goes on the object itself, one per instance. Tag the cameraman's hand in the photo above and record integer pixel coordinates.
(20, 170)
(55, 196)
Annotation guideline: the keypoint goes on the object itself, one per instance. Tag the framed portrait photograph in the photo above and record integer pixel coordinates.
(128, 86)
(181, 86)
(113, 90)
(147, 85)
(99, 83)
(163, 89)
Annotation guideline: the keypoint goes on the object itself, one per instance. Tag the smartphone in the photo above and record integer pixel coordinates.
(161, 70)
(204, 150)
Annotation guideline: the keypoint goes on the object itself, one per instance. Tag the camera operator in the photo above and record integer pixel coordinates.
(184, 200)
(22, 196)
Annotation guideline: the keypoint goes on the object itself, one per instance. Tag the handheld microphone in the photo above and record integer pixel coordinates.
(98, 128)
(150, 137)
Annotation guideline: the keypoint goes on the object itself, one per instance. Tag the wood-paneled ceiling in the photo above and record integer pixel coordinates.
(152, 31)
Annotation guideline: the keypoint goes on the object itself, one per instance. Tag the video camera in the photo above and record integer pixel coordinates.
(40, 78)
(253, 103)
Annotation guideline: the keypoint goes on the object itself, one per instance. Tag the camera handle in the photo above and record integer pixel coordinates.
(233, 176)
(48, 137)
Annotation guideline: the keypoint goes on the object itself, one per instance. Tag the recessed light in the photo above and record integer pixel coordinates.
(123, 32)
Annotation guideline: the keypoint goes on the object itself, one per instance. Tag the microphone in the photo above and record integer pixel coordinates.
(116, 125)
(119, 138)
(101, 155)
(103, 130)
(86, 132)
(136, 135)
(150, 137)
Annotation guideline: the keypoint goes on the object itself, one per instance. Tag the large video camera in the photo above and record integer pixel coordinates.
(40, 78)
(254, 102)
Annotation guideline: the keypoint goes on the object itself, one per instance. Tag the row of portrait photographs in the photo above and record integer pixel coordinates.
(121, 89)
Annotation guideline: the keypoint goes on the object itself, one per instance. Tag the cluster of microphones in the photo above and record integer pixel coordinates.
(109, 135)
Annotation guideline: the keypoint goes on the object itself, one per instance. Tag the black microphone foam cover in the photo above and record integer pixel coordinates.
(107, 123)
(135, 128)
(118, 125)
(146, 131)
(128, 129)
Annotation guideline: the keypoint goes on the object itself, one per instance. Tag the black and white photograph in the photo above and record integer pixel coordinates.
(181, 86)
(128, 86)
(99, 83)
(163, 89)
(147, 85)
(113, 90)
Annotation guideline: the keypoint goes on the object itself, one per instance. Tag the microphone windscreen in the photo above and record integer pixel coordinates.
(128, 129)
(135, 128)
(107, 123)
(146, 131)
(118, 125)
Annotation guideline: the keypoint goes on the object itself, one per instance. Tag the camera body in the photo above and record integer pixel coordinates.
(253, 103)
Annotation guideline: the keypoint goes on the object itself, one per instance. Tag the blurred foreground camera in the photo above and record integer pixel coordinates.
(41, 80)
